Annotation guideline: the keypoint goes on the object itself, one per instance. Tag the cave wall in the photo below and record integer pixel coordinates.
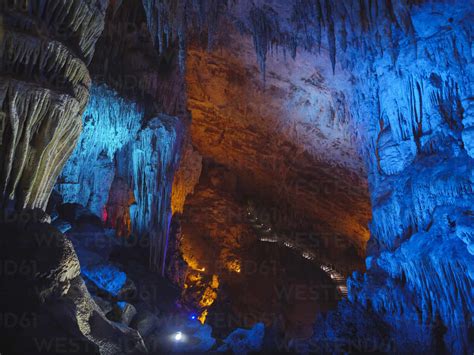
(415, 110)
(288, 140)
(109, 123)
(409, 93)
(128, 62)
(45, 47)
(123, 168)
(186, 176)
(406, 71)
(410, 97)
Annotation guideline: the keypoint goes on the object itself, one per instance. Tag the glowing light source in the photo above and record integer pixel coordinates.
(178, 336)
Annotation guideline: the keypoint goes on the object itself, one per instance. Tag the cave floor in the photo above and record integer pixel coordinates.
(238, 276)
(276, 286)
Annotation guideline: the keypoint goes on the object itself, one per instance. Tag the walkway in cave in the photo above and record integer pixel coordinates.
(268, 235)
(276, 286)
(243, 271)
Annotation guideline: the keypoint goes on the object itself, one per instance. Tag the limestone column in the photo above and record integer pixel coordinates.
(45, 46)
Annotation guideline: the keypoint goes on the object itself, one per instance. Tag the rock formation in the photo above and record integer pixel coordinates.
(150, 172)
(131, 184)
(48, 307)
(409, 97)
(123, 168)
(351, 120)
(110, 122)
(409, 92)
(185, 178)
(45, 47)
(290, 142)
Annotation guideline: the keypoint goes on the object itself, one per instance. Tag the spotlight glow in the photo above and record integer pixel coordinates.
(178, 336)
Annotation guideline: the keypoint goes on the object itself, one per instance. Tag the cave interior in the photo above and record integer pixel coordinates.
(236, 176)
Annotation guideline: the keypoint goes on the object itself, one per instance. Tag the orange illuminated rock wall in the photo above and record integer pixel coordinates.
(214, 233)
(287, 145)
(289, 142)
(185, 178)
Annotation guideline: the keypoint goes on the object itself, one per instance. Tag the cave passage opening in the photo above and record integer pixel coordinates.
(279, 216)
(267, 186)
(192, 182)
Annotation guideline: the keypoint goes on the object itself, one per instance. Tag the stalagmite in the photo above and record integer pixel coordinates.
(150, 171)
(362, 141)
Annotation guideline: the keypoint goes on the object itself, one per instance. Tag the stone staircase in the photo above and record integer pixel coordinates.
(268, 235)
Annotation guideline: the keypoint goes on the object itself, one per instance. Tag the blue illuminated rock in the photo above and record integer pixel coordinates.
(468, 131)
(148, 164)
(109, 123)
(107, 277)
(396, 78)
(394, 156)
(409, 92)
(122, 169)
(243, 341)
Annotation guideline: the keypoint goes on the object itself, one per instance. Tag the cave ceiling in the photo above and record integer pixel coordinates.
(288, 139)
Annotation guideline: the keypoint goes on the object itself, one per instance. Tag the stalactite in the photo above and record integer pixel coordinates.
(126, 166)
(149, 165)
(304, 16)
(331, 35)
(109, 123)
(171, 21)
(364, 20)
(416, 105)
(343, 35)
(320, 24)
(182, 29)
(265, 32)
(45, 87)
(449, 105)
(169, 24)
